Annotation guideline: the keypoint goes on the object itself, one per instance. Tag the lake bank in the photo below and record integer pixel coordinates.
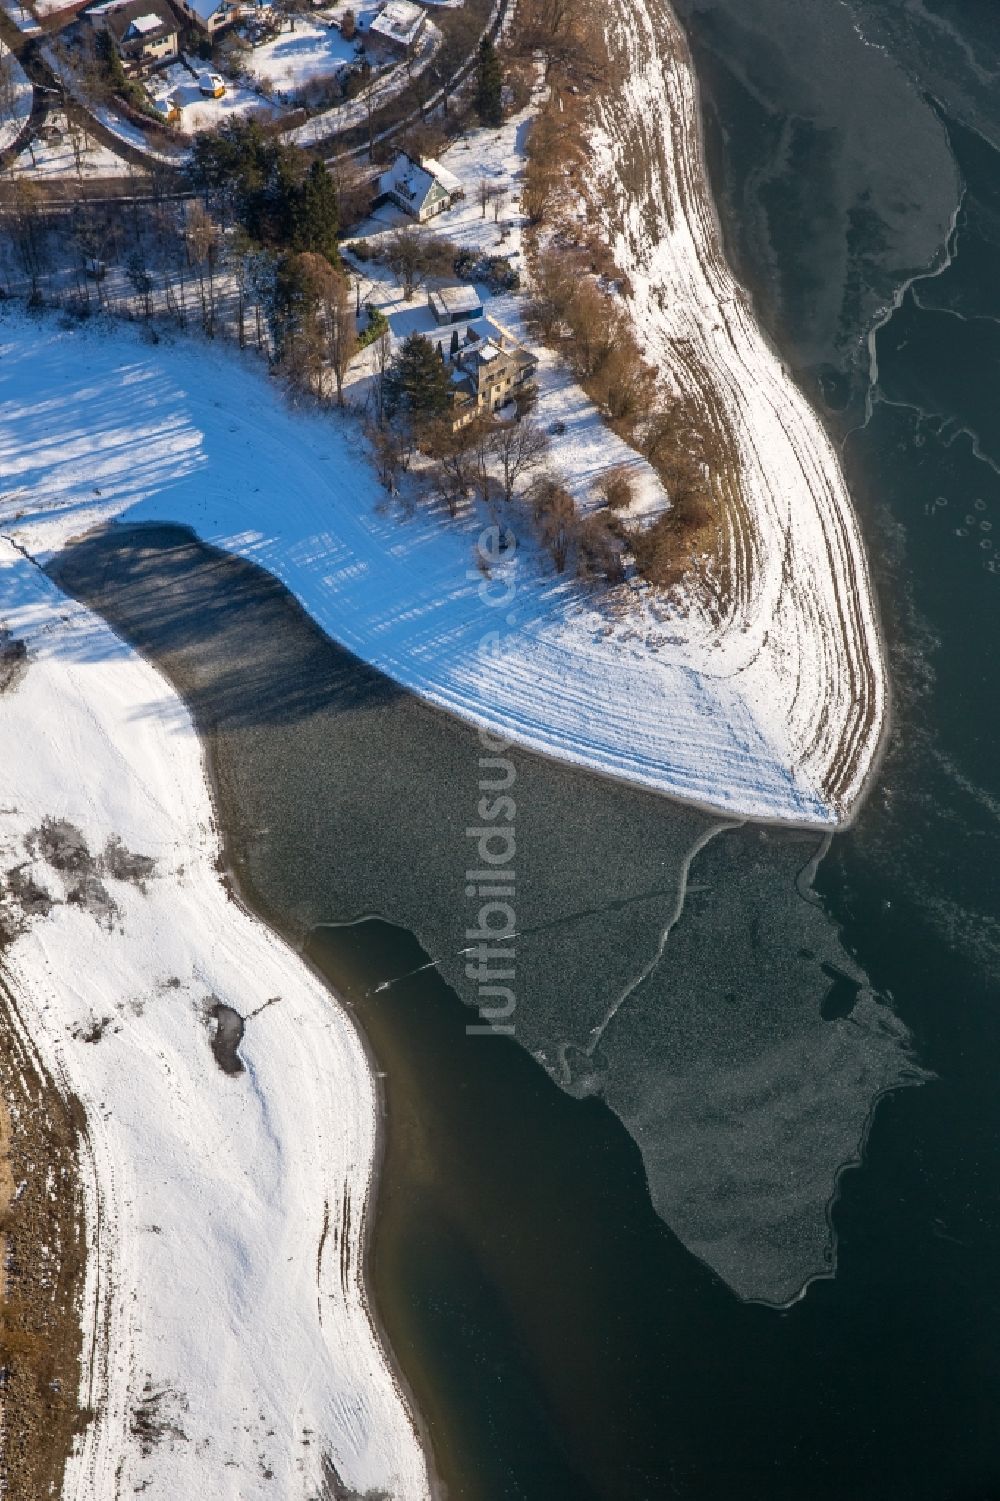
(205, 1157)
(799, 617)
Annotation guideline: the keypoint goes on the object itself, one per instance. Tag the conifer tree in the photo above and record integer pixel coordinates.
(315, 217)
(418, 384)
(489, 85)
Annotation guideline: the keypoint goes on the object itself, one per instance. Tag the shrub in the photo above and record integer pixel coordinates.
(378, 324)
(665, 551)
(599, 551)
(499, 274)
(466, 262)
(556, 519)
(616, 487)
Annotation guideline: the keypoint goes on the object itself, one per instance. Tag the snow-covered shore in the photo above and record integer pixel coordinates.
(235, 1351)
(775, 711)
(799, 637)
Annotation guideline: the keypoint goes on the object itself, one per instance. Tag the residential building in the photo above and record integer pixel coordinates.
(399, 23)
(143, 32)
(420, 186)
(455, 304)
(488, 370)
(210, 16)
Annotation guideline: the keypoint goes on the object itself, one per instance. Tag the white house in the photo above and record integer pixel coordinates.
(399, 23)
(489, 369)
(419, 186)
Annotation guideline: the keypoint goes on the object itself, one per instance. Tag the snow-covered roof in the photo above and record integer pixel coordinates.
(458, 301)
(204, 8)
(413, 180)
(136, 18)
(440, 174)
(399, 20)
(407, 178)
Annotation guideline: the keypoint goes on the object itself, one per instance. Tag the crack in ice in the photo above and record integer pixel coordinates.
(598, 1031)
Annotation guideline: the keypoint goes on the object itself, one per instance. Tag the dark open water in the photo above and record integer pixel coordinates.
(589, 1311)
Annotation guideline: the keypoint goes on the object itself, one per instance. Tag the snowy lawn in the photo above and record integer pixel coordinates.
(200, 111)
(224, 1210)
(392, 79)
(48, 158)
(131, 135)
(313, 50)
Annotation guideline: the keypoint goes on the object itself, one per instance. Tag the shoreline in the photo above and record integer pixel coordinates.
(885, 733)
(291, 1157)
(687, 253)
(259, 912)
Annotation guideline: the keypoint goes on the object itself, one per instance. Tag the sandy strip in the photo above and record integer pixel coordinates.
(233, 1351)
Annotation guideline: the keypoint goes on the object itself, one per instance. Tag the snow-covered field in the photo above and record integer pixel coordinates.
(19, 98)
(757, 718)
(96, 425)
(235, 1350)
(49, 158)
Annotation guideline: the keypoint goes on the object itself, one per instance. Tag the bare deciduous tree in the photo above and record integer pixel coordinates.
(519, 448)
(556, 518)
(340, 327)
(380, 358)
(616, 488)
(413, 256)
(202, 236)
(454, 453)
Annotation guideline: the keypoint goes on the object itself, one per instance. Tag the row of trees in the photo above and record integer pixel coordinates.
(573, 311)
(314, 324)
